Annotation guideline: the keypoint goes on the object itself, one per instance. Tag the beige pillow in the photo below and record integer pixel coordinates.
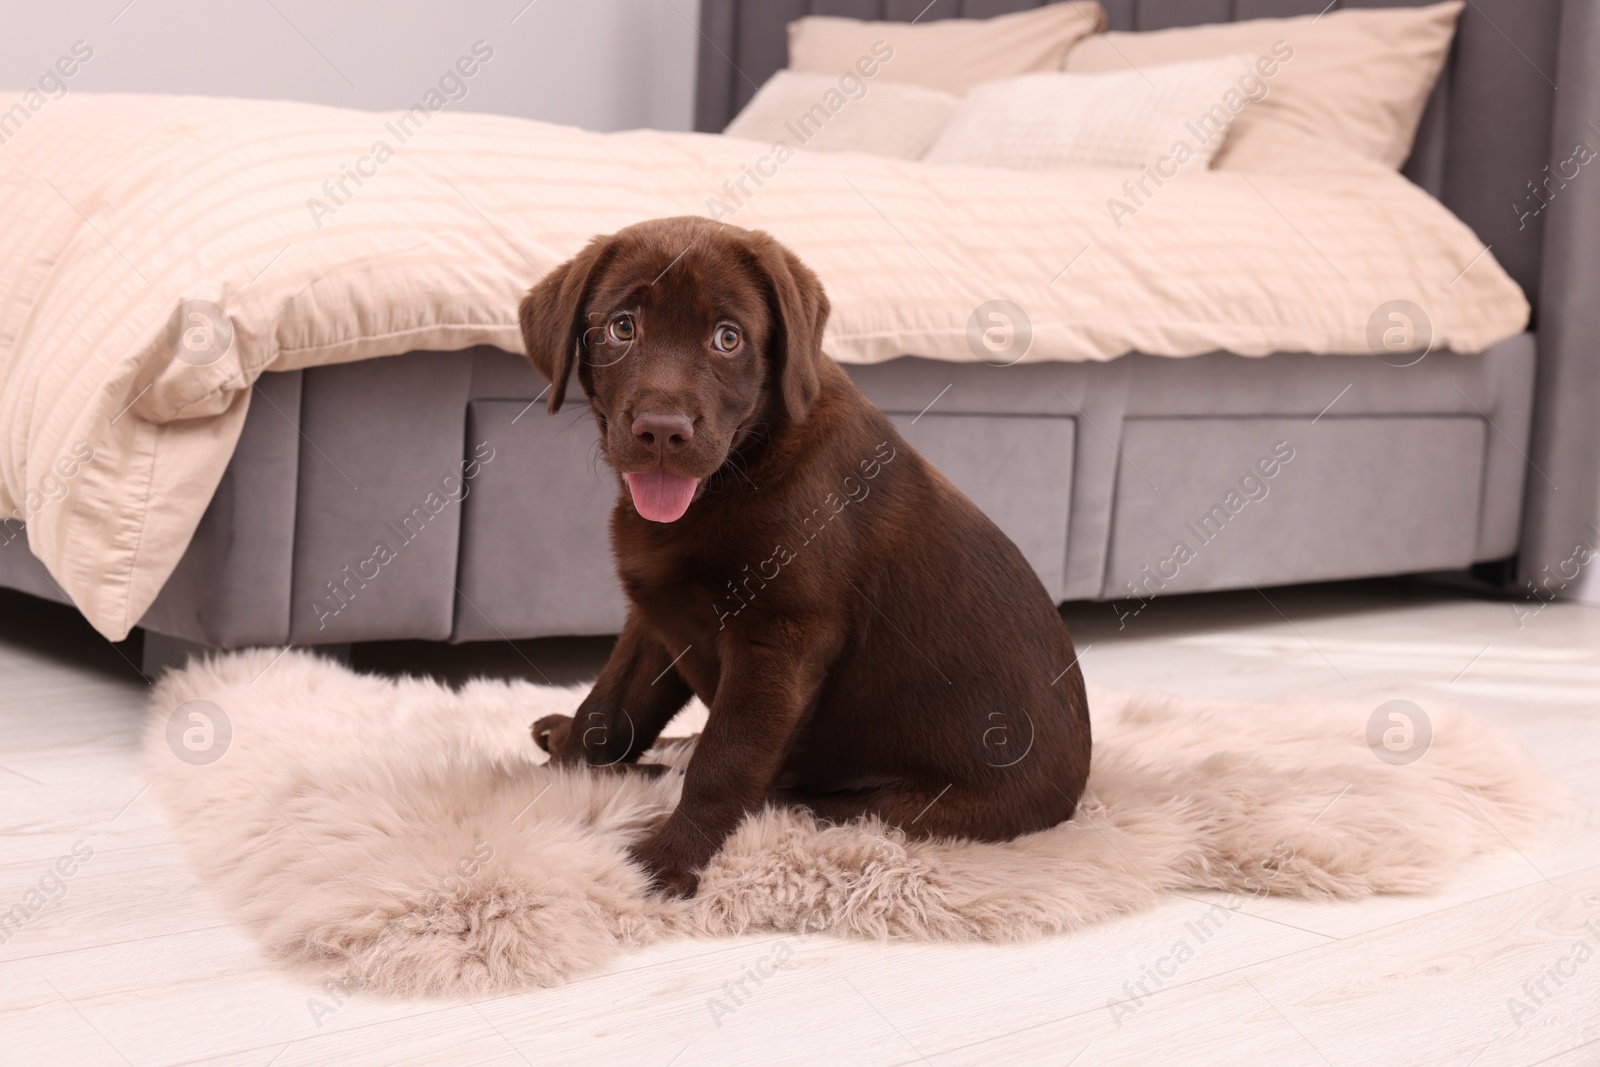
(844, 114)
(1352, 81)
(948, 54)
(1161, 116)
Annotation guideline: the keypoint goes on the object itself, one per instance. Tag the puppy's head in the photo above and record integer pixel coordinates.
(687, 336)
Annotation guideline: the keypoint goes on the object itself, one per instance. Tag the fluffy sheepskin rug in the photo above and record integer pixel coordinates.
(404, 837)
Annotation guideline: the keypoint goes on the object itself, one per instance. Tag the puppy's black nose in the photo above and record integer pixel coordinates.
(666, 432)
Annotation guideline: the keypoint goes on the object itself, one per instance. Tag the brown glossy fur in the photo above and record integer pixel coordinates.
(866, 640)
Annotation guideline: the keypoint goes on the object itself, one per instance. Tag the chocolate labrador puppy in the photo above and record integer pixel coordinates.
(867, 642)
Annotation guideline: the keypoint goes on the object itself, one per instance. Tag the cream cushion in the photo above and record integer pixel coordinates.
(1349, 82)
(949, 54)
(844, 114)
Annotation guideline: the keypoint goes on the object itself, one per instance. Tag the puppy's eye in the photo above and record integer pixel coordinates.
(726, 339)
(622, 328)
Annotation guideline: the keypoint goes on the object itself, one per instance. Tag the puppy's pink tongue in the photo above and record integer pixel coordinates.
(661, 496)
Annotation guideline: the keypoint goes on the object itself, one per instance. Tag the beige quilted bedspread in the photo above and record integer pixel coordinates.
(329, 235)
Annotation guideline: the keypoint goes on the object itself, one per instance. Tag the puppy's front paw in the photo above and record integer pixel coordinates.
(668, 875)
(553, 733)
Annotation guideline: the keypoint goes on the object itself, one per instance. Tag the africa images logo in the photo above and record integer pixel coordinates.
(452, 88)
(51, 85)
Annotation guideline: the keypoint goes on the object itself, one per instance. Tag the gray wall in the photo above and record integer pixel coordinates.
(600, 64)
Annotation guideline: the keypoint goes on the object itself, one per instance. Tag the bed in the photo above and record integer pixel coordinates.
(1098, 468)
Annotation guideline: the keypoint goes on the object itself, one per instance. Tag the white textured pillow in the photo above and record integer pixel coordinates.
(844, 114)
(1127, 118)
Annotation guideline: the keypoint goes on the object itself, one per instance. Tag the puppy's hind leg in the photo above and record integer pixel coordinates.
(926, 812)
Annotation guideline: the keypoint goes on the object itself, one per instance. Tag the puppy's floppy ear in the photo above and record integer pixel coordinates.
(552, 317)
(799, 312)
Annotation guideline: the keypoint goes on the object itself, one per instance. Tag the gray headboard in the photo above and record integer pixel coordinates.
(1494, 122)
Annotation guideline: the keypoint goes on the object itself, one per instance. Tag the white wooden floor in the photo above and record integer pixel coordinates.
(130, 964)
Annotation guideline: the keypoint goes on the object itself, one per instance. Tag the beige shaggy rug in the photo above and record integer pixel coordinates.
(404, 837)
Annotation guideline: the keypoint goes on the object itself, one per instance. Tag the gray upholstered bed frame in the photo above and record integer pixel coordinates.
(1097, 471)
